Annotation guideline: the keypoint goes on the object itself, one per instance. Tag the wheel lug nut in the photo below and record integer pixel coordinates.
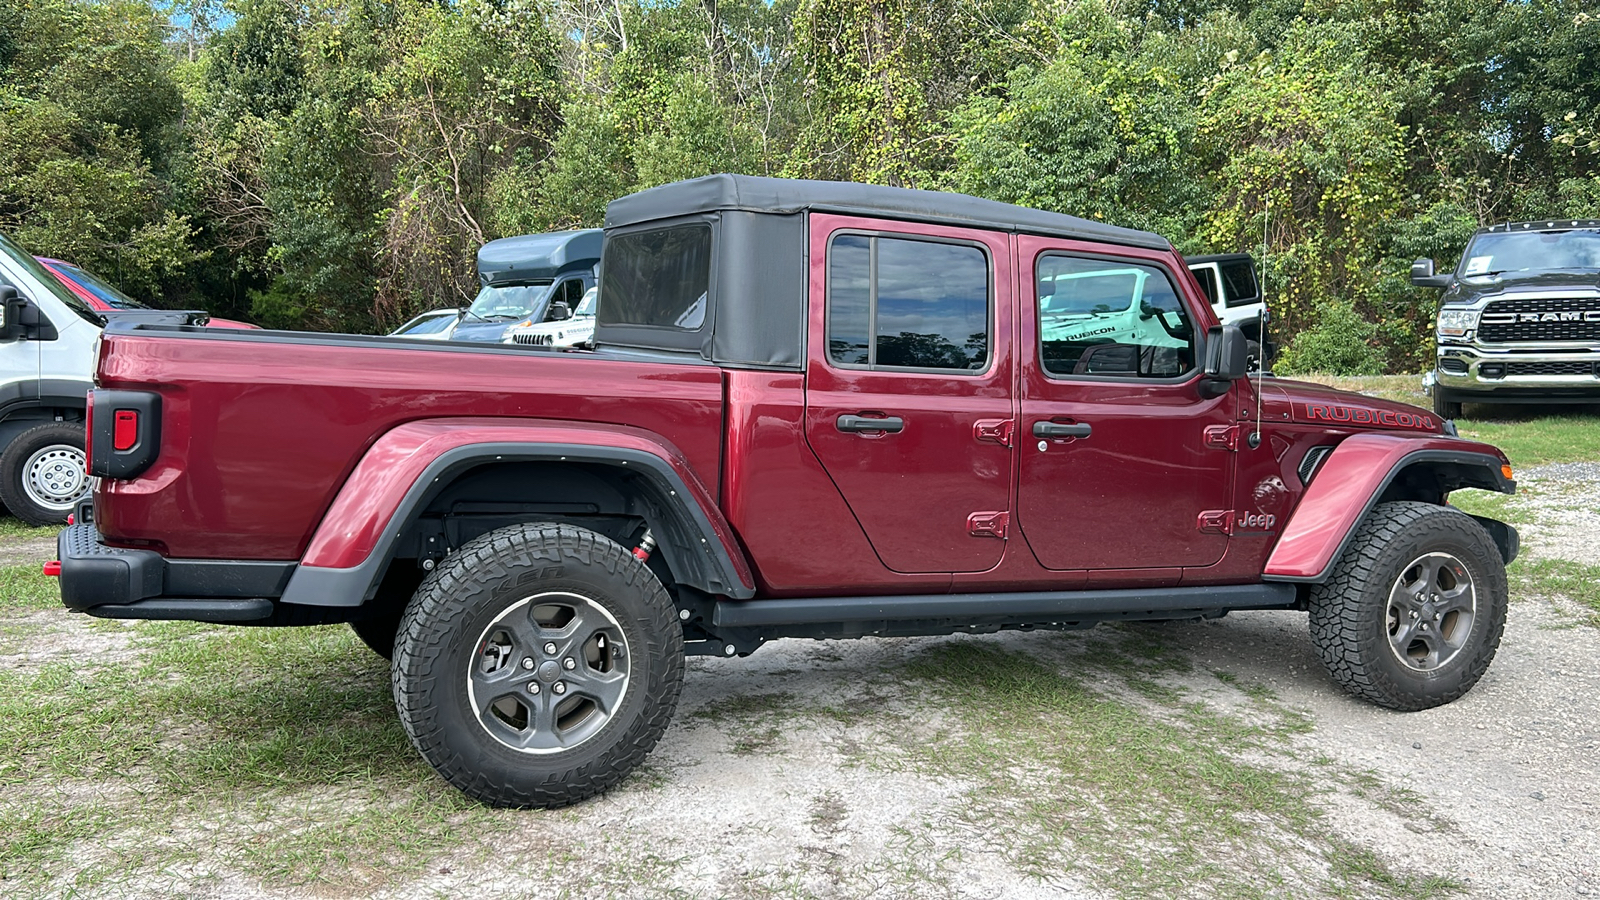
(550, 648)
(568, 663)
(527, 662)
(559, 687)
(533, 687)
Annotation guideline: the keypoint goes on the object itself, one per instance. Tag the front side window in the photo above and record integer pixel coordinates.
(658, 278)
(1111, 318)
(904, 303)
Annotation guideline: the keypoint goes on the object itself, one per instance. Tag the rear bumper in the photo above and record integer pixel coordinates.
(122, 583)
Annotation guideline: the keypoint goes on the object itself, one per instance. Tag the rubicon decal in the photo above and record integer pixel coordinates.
(1360, 415)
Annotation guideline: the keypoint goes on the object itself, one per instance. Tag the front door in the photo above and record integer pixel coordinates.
(909, 387)
(1124, 465)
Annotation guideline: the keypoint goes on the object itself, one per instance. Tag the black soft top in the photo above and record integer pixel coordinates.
(749, 193)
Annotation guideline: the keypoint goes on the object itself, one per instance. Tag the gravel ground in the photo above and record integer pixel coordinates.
(1497, 791)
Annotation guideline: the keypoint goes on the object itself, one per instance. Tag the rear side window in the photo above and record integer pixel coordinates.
(1100, 317)
(657, 278)
(900, 303)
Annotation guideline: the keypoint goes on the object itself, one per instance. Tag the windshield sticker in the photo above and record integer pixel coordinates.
(1478, 265)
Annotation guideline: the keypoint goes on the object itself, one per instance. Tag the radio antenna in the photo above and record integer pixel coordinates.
(1261, 332)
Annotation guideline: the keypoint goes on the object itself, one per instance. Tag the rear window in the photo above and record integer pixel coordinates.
(657, 278)
(1240, 277)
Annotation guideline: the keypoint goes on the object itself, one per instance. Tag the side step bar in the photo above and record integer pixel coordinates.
(1041, 607)
(199, 610)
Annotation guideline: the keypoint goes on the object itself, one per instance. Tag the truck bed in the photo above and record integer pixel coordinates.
(263, 427)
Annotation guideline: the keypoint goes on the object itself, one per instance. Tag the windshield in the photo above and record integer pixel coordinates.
(586, 305)
(48, 281)
(517, 301)
(1531, 250)
(1089, 293)
(434, 324)
(92, 283)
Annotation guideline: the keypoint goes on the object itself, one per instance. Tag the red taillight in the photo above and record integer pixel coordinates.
(125, 429)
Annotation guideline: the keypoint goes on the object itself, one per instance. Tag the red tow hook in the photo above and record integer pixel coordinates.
(53, 568)
(646, 544)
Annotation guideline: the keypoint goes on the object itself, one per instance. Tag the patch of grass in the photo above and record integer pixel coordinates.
(1490, 504)
(1574, 581)
(35, 842)
(26, 587)
(1401, 388)
(1362, 870)
(1169, 798)
(13, 527)
(1536, 439)
(288, 734)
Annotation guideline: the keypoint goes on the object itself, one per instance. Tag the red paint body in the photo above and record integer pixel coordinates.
(277, 449)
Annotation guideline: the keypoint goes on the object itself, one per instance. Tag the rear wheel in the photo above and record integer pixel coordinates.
(42, 473)
(537, 666)
(1413, 612)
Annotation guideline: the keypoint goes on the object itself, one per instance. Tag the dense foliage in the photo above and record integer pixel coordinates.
(334, 165)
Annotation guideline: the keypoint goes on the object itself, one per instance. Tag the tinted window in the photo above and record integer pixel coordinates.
(904, 303)
(1104, 317)
(1240, 279)
(658, 278)
(1208, 283)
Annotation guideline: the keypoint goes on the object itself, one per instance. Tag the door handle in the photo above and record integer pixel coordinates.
(1047, 429)
(865, 425)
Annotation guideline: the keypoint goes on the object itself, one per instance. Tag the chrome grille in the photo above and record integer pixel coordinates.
(1559, 319)
(1550, 368)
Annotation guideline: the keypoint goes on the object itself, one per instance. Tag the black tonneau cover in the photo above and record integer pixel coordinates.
(715, 193)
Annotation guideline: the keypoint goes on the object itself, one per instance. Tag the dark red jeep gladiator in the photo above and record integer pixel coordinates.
(815, 409)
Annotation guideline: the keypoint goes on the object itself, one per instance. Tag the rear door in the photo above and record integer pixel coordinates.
(1123, 465)
(909, 399)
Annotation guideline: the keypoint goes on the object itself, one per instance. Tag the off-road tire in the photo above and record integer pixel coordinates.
(1350, 612)
(1445, 409)
(59, 437)
(447, 627)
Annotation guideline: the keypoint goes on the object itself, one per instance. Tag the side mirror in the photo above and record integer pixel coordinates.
(11, 307)
(1422, 275)
(1227, 359)
(559, 311)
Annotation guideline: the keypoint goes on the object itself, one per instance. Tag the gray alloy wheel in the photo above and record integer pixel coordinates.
(1432, 608)
(550, 672)
(42, 474)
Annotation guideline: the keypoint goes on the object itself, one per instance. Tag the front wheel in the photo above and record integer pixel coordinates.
(1445, 409)
(42, 474)
(1413, 611)
(537, 666)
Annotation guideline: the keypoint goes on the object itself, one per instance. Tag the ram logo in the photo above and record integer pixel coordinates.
(1508, 318)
